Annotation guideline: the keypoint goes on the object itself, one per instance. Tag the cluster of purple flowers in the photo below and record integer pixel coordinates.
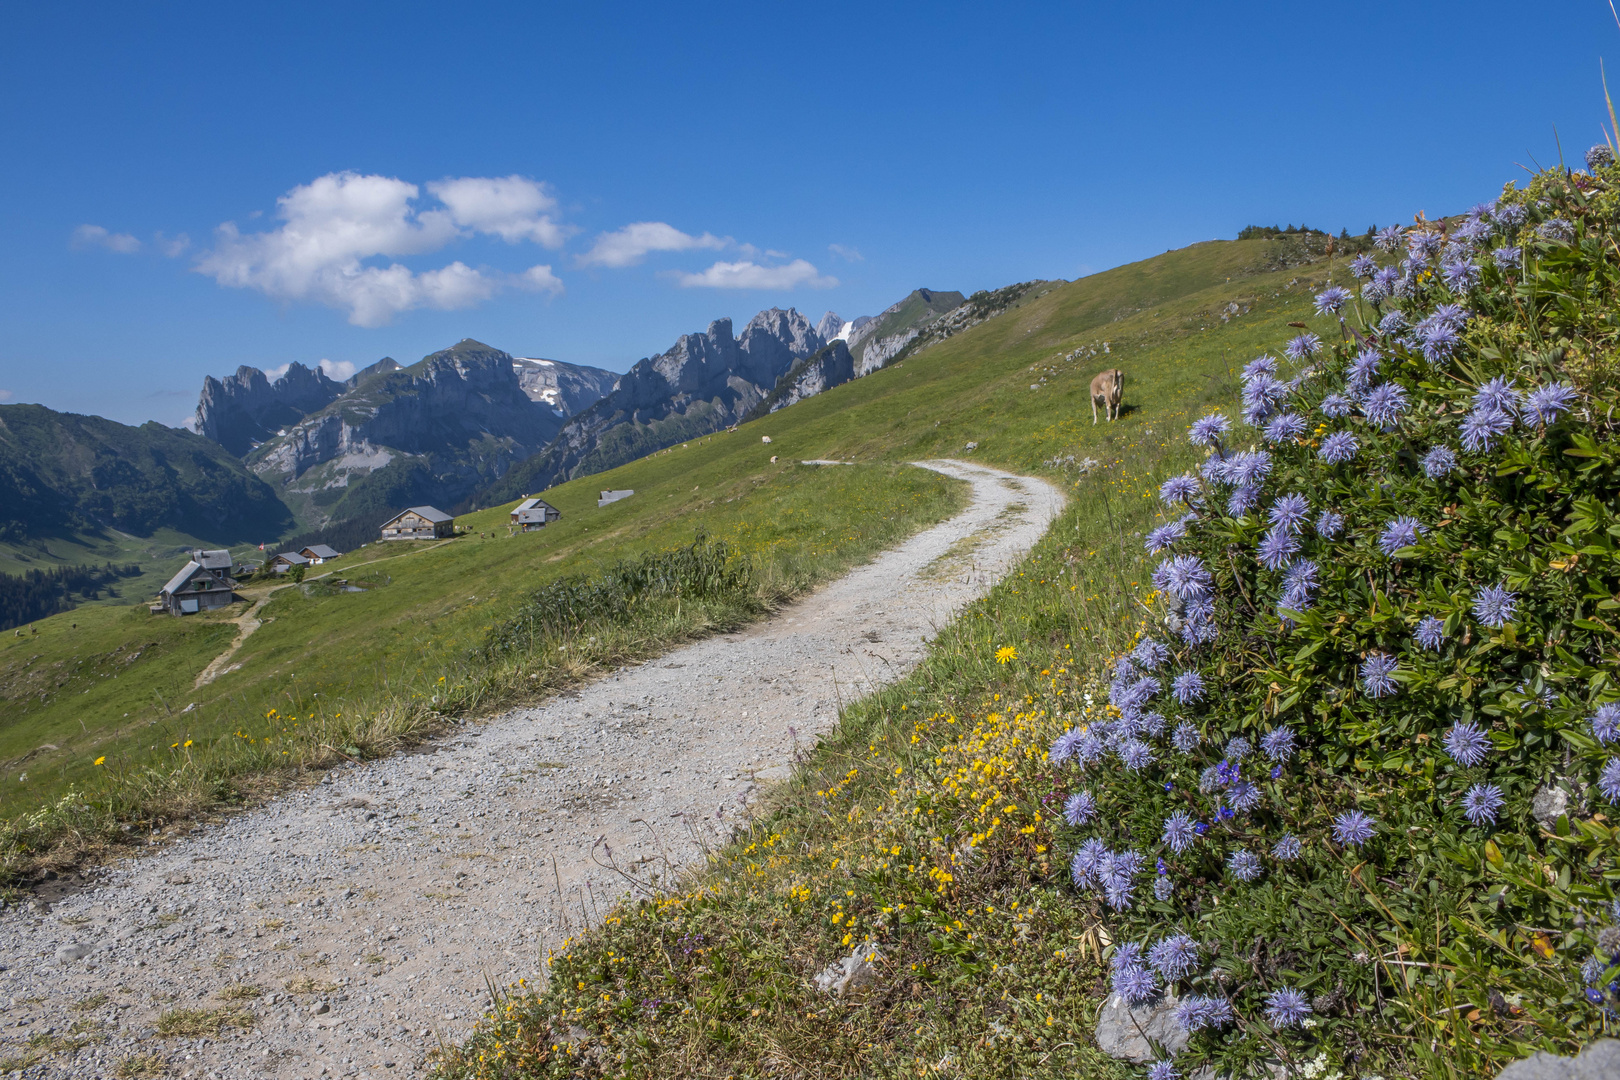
(1376, 675)
(1400, 532)
(1198, 1011)
(1096, 867)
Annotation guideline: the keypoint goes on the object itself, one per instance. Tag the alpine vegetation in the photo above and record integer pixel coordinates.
(1397, 573)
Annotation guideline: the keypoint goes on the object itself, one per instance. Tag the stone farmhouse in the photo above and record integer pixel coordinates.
(284, 562)
(419, 523)
(319, 553)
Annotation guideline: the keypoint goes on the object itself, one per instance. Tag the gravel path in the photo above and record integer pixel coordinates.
(369, 909)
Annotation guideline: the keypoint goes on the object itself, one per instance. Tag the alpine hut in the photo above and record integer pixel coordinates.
(531, 514)
(419, 523)
(203, 584)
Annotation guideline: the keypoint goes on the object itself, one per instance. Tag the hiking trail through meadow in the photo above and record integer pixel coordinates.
(369, 909)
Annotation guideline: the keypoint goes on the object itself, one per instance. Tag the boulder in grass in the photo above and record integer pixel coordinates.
(1600, 1061)
(853, 972)
(1132, 1031)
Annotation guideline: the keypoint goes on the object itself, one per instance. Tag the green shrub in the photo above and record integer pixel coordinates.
(1365, 791)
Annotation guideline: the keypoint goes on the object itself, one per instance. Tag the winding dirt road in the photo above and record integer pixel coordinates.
(369, 910)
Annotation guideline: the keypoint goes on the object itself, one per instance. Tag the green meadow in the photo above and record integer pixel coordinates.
(101, 701)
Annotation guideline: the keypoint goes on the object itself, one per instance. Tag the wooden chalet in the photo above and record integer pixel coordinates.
(280, 564)
(203, 584)
(319, 553)
(420, 523)
(531, 514)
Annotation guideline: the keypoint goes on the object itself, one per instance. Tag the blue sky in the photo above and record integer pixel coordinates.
(189, 188)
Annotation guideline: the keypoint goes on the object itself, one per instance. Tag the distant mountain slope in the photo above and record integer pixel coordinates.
(704, 383)
(63, 474)
(879, 340)
(567, 388)
(433, 432)
(828, 367)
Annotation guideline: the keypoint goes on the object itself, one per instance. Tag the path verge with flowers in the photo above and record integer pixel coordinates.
(345, 929)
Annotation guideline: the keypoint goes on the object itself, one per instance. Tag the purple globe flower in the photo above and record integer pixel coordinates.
(1507, 258)
(1430, 633)
(1388, 239)
(1207, 430)
(1339, 448)
(1163, 1070)
(1331, 301)
(1188, 687)
(1136, 985)
(1284, 427)
(1163, 887)
(1337, 406)
(1557, 230)
(1393, 322)
(1400, 532)
(1128, 955)
(1384, 279)
(1089, 862)
(1079, 808)
(1260, 365)
(1244, 498)
(1384, 405)
(1277, 548)
(1176, 957)
(1461, 275)
(1187, 577)
(1606, 723)
(1186, 738)
(1375, 675)
(1119, 879)
(1329, 524)
(1287, 848)
(1287, 1007)
(1136, 755)
(1197, 1012)
(1467, 744)
(1064, 746)
(1363, 266)
(1278, 744)
(1544, 404)
(1482, 802)
(1303, 347)
(1299, 586)
(1439, 462)
(1497, 395)
(1509, 215)
(1149, 654)
(1238, 748)
(1248, 467)
(1609, 780)
(1495, 606)
(1289, 512)
(1353, 828)
(1180, 831)
(1243, 797)
(1439, 342)
(1362, 370)
(1424, 243)
(1179, 489)
(1481, 428)
(1164, 536)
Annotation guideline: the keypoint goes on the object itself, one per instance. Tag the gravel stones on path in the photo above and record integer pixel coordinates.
(352, 925)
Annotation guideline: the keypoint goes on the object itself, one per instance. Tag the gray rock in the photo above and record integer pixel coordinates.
(851, 973)
(1129, 1031)
(1599, 1061)
(73, 950)
(1550, 804)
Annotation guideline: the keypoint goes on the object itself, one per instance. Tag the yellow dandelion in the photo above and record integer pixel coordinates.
(101, 760)
(1006, 654)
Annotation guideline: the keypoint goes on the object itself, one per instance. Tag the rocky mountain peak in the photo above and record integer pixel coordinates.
(829, 326)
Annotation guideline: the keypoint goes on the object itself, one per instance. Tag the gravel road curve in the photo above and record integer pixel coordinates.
(368, 910)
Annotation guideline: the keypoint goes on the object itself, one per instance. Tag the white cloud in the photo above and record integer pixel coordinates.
(5, 395)
(330, 226)
(172, 246)
(96, 236)
(751, 275)
(337, 369)
(848, 254)
(629, 245)
(539, 279)
(512, 207)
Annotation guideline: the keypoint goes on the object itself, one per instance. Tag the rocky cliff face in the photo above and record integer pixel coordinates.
(566, 388)
(242, 410)
(880, 339)
(829, 367)
(433, 432)
(703, 383)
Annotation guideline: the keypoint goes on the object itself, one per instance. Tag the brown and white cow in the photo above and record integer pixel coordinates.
(1107, 388)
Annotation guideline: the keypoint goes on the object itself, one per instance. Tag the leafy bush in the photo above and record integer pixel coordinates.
(705, 570)
(1354, 810)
